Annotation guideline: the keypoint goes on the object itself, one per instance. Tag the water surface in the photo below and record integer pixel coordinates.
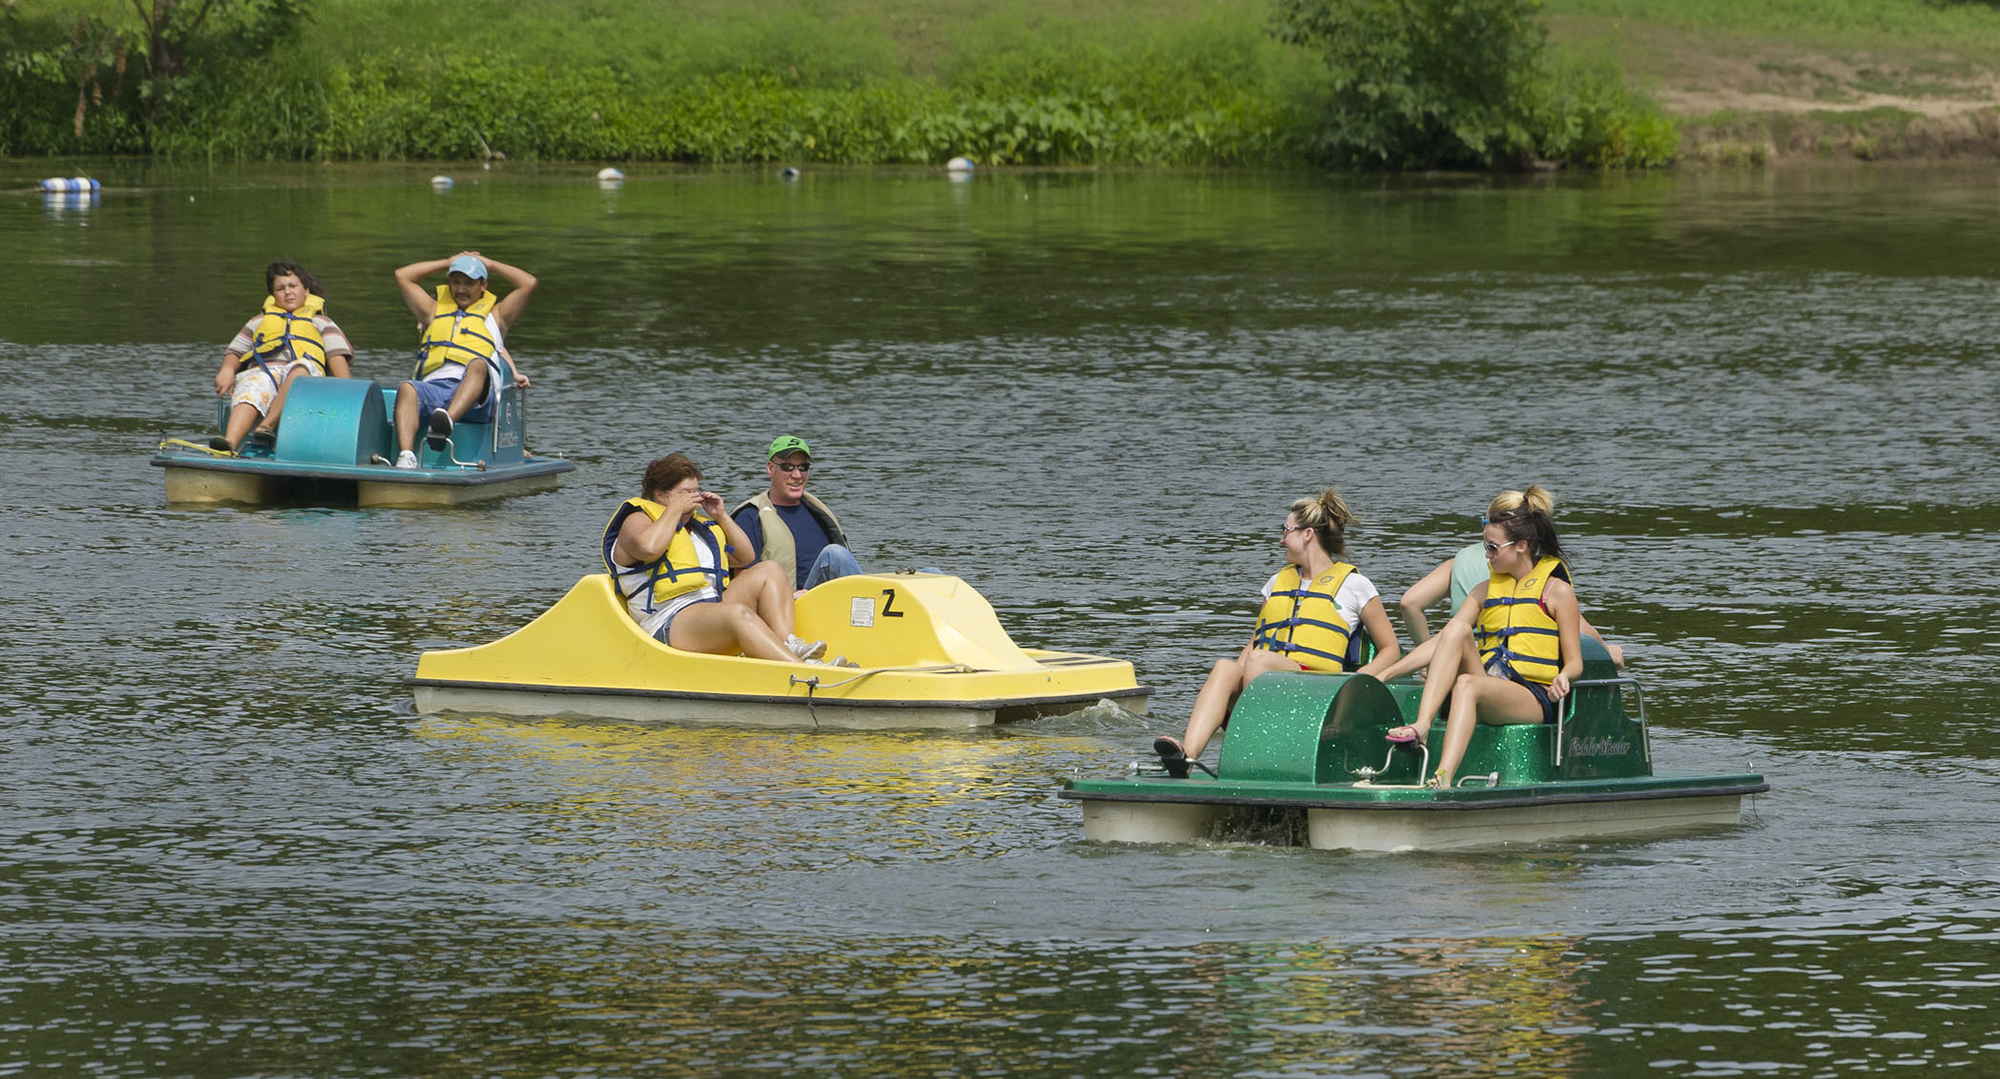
(1764, 401)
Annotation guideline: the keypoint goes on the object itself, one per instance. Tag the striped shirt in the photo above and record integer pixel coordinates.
(336, 341)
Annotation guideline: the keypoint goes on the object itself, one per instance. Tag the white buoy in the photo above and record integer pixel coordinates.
(70, 183)
(788, 173)
(440, 181)
(958, 164)
(609, 175)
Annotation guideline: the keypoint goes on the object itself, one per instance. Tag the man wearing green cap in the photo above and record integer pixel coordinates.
(792, 528)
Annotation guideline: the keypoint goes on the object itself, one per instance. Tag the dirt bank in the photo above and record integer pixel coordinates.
(1750, 100)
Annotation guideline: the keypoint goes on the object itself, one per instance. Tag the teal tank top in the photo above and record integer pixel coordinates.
(1468, 571)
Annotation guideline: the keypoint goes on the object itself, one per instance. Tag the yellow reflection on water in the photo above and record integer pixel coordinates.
(834, 795)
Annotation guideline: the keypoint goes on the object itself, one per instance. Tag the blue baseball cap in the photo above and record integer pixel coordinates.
(469, 266)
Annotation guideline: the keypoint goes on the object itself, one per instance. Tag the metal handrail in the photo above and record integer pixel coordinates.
(1638, 696)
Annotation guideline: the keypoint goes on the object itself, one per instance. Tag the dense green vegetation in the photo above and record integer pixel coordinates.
(1031, 81)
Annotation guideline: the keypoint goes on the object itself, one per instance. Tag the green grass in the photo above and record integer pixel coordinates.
(1965, 29)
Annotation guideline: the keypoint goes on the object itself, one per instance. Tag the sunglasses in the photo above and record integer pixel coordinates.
(785, 466)
(1494, 548)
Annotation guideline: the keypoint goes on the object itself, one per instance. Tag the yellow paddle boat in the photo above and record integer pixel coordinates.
(928, 648)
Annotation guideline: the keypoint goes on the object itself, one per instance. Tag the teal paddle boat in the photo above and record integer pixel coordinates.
(1305, 761)
(337, 443)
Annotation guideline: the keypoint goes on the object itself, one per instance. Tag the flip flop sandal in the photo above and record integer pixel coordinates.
(1408, 736)
(1173, 756)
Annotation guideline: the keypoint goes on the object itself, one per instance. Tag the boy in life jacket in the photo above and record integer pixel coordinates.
(291, 336)
(462, 351)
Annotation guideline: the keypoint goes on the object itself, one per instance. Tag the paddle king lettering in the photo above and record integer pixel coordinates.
(1599, 747)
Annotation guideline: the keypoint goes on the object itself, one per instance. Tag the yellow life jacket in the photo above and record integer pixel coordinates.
(1301, 620)
(1515, 629)
(678, 571)
(284, 336)
(458, 335)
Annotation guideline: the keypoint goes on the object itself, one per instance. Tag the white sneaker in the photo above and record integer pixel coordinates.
(805, 649)
(406, 459)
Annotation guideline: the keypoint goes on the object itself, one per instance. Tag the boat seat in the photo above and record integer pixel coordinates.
(1307, 728)
(328, 421)
(1317, 728)
(909, 619)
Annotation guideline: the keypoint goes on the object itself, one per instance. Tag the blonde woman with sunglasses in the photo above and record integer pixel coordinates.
(1314, 611)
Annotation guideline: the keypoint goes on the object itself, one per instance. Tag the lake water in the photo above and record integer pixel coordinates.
(1765, 402)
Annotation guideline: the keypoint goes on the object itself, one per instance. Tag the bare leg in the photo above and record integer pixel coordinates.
(1226, 681)
(406, 417)
(240, 419)
(270, 423)
(764, 589)
(471, 390)
(1481, 698)
(1416, 658)
(1211, 705)
(1452, 654)
(726, 628)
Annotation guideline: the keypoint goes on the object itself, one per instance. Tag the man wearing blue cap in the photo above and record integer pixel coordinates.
(463, 354)
(792, 528)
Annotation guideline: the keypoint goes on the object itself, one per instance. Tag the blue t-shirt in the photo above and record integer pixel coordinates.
(808, 538)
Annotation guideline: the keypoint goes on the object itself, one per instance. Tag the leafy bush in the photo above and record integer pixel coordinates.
(1464, 83)
(1419, 83)
(1584, 113)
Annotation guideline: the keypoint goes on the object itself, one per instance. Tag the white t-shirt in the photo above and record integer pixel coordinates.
(1354, 594)
(453, 369)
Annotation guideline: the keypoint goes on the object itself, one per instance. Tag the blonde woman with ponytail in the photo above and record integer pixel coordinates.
(1314, 610)
(1510, 652)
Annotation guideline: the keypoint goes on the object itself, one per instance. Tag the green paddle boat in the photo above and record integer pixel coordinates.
(1305, 760)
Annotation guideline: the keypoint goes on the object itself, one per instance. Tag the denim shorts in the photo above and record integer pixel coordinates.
(432, 396)
(667, 626)
(1540, 691)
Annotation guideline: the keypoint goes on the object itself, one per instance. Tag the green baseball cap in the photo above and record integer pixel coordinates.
(784, 444)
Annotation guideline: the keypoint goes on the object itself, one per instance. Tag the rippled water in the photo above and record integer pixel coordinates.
(1765, 403)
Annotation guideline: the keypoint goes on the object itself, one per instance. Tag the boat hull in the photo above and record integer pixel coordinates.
(743, 711)
(259, 482)
(1526, 817)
